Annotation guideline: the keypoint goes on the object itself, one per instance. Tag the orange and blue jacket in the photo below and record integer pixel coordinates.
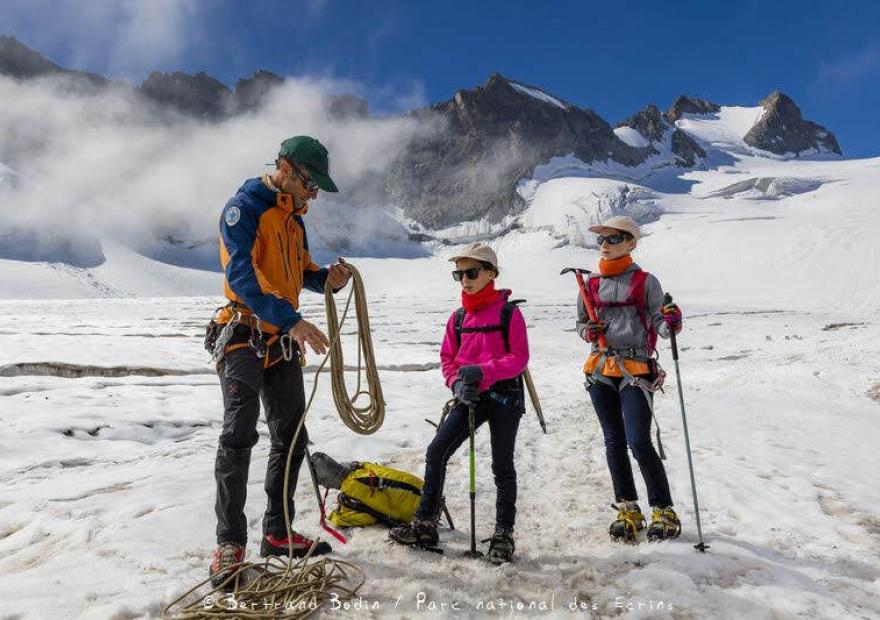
(264, 252)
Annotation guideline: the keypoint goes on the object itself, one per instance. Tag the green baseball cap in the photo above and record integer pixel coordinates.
(311, 155)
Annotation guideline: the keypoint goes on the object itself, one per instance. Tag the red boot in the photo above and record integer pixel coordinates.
(299, 543)
(227, 558)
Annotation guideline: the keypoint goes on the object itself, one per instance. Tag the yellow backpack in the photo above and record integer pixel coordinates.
(377, 494)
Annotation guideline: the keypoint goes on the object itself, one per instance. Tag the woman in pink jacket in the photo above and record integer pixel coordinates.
(483, 355)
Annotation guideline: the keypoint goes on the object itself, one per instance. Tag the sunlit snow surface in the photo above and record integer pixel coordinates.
(108, 489)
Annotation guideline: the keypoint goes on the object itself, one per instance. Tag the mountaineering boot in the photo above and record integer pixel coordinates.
(422, 533)
(664, 524)
(227, 558)
(299, 543)
(501, 546)
(628, 523)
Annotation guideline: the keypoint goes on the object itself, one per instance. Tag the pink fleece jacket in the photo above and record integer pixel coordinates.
(486, 348)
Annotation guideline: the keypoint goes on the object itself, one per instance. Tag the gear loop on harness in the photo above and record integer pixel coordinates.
(224, 337)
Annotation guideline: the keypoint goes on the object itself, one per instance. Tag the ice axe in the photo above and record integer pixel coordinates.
(700, 546)
(582, 286)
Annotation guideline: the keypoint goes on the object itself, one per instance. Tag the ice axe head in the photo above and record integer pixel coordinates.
(575, 270)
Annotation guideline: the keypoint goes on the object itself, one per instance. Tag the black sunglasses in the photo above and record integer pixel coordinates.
(472, 273)
(612, 239)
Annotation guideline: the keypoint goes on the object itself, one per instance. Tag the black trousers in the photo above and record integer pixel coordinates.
(455, 430)
(625, 418)
(245, 383)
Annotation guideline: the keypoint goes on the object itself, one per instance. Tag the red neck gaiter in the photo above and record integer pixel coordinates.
(479, 300)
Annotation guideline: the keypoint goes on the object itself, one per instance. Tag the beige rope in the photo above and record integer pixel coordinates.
(365, 419)
(296, 588)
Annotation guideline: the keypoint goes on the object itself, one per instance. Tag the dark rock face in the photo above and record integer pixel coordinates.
(199, 95)
(21, 62)
(347, 106)
(686, 149)
(486, 140)
(250, 93)
(690, 105)
(782, 129)
(648, 122)
(653, 125)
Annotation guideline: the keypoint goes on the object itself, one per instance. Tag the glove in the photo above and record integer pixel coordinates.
(594, 330)
(470, 374)
(672, 317)
(465, 392)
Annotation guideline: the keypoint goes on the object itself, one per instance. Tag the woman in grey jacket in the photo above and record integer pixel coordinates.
(626, 316)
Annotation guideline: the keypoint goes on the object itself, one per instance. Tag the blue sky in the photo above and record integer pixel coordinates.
(614, 57)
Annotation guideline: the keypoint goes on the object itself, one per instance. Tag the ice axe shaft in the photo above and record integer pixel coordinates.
(582, 286)
(701, 545)
(533, 395)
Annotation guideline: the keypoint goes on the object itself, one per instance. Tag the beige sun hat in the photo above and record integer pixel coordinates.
(617, 223)
(477, 251)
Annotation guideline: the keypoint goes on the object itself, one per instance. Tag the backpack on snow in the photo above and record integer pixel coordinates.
(375, 493)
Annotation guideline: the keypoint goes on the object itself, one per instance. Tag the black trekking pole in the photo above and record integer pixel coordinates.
(701, 546)
(473, 488)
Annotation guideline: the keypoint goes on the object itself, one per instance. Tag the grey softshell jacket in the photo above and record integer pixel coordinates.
(623, 327)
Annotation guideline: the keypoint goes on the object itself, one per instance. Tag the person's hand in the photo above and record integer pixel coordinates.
(672, 317)
(338, 276)
(466, 392)
(304, 332)
(470, 374)
(594, 330)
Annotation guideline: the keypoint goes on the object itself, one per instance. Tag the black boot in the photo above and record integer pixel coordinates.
(422, 533)
(501, 546)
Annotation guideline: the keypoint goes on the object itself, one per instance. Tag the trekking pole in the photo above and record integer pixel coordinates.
(473, 488)
(701, 546)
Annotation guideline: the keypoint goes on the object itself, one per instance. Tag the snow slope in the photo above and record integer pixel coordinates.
(780, 372)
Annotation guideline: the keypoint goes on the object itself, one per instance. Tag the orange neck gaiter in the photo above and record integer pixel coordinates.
(614, 267)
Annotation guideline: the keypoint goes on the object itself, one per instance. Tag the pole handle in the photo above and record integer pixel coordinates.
(667, 299)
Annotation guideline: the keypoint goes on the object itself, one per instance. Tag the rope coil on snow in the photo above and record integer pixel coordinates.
(291, 587)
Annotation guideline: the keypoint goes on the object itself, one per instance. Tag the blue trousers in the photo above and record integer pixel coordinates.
(626, 421)
(503, 426)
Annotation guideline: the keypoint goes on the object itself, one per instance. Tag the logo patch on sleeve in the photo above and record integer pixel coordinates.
(233, 214)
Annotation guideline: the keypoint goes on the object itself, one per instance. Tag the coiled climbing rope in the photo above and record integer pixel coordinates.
(296, 588)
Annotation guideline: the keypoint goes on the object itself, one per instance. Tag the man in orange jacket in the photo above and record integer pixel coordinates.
(264, 252)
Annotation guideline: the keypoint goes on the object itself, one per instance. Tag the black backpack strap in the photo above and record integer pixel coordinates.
(506, 315)
(459, 321)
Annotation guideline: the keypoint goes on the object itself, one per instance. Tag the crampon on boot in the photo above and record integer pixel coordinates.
(227, 558)
(664, 524)
(421, 533)
(298, 548)
(629, 521)
(501, 546)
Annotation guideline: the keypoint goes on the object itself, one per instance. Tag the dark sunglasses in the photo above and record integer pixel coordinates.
(612, 239)
(471, 274)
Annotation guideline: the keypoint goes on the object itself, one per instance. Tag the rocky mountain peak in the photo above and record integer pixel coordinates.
(21, 62)
(648, 122)
(487, 139)
(198, 95)
(690, 105)
(782, 129)
(251, 92)
(653, 125)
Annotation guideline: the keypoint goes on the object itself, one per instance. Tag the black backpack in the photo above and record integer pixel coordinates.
(503, 327)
